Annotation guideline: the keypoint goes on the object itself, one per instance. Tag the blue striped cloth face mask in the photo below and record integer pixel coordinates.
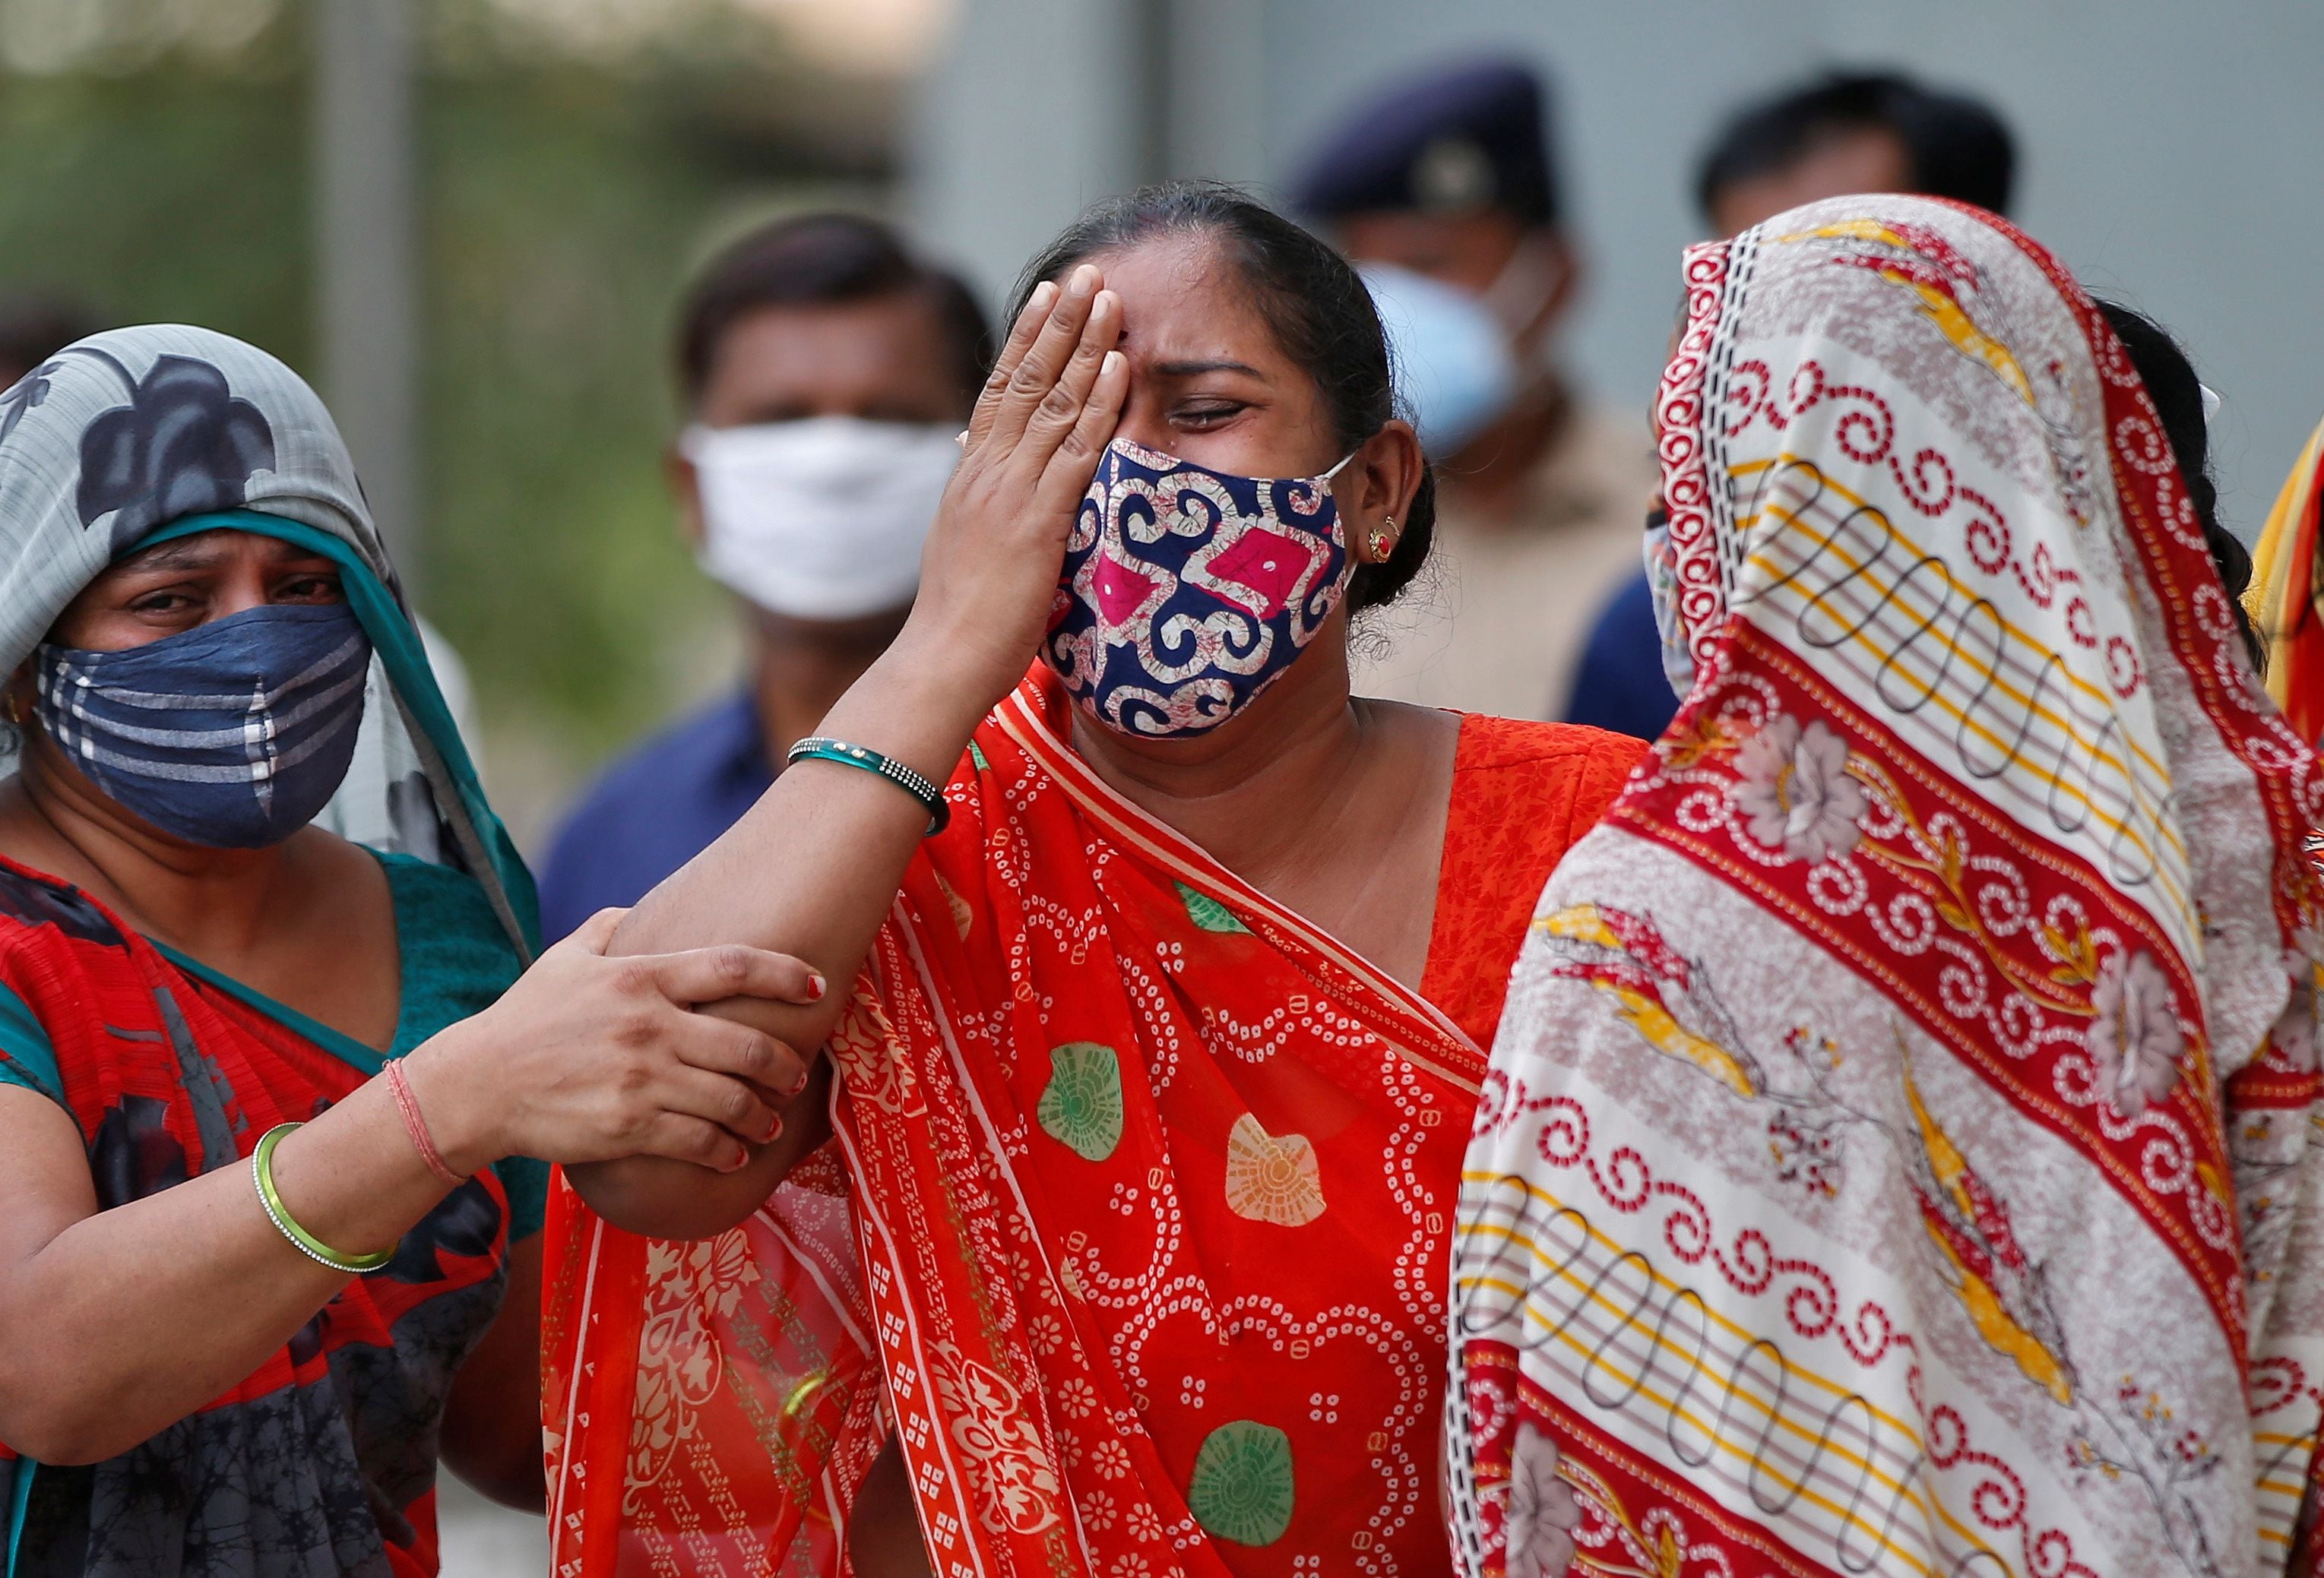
(233, 735)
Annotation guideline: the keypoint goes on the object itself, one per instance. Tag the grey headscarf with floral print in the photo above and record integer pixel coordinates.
(124, 433)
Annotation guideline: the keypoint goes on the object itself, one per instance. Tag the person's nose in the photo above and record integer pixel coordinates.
(240, 590)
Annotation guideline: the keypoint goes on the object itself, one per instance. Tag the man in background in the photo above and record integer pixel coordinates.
(1840, 134)
(1873, 132)
(1449, 176)
(823, 373)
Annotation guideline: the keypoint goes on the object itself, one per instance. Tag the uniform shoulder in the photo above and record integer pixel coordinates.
(1612, 451)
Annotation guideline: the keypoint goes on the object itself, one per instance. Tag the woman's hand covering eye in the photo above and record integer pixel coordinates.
(816, 862)
(989, 575)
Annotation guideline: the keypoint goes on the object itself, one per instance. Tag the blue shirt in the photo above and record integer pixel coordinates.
(1619, 684)
(656, 808)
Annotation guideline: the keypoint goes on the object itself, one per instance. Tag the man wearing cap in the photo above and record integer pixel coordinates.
(1448, 177)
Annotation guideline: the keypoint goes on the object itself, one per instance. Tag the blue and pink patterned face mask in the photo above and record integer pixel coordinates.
(1188, 591)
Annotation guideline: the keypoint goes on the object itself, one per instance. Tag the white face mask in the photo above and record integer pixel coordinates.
(822, 519)
(1452, 358)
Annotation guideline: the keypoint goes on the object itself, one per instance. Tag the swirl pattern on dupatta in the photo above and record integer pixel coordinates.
(1897, 1155)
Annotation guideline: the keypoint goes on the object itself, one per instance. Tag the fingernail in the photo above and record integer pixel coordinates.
(1084, 279)
(738, 1164)
(815, 988)
(1043, 293)
(797, 1085)
(1113, 363)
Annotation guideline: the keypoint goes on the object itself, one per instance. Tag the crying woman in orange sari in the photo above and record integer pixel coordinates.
(1116, 1242)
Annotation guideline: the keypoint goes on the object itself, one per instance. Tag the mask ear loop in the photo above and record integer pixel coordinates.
(1381, 539)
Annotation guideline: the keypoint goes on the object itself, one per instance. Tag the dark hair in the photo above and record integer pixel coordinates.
(2178, 395)
(1957, 146)
(819, 260)
(1318, 309)
(34, 327)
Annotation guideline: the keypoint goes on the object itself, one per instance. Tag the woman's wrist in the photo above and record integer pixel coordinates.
(463, 1119)
(918, 702)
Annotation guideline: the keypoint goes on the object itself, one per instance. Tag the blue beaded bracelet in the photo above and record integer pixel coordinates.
(918, 786)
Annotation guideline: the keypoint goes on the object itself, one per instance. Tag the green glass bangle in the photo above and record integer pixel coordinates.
(261, 1169)
(822, 748)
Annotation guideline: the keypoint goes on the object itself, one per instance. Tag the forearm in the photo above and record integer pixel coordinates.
(810, 871)
(114, 1322)
(813, 869)
(131, 1318)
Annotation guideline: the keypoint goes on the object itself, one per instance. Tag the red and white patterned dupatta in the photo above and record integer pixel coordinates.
(1902, 1149)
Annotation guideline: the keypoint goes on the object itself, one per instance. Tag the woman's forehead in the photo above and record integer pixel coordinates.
(1185, 304)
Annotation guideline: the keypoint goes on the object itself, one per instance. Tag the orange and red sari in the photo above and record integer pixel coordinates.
(1133, 1228)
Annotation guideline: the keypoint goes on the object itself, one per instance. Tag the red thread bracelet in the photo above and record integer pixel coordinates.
(417, 1125)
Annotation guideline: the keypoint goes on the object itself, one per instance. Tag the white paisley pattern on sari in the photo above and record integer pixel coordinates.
(1903, 1152)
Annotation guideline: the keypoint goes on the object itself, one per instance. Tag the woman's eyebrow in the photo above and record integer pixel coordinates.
(193, 554)
(1193, 368)
(189, 554)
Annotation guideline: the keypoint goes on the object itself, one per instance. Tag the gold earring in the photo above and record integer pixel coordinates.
(15, 708)
(1382, 540)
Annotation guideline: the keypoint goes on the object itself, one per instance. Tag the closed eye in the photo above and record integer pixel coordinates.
(1209, 413)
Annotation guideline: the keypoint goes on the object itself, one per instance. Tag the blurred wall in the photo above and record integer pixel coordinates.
(2166, 151)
